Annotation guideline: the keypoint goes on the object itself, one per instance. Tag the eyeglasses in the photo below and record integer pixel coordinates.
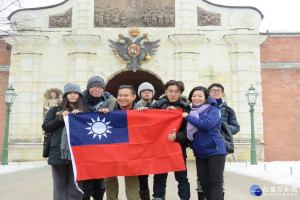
(216, 91)
(147, 90)
(97, 87)
(177, 92)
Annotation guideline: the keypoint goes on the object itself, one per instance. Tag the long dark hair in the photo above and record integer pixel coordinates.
(77, 105)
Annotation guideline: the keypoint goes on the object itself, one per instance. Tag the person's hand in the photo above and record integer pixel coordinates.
(171, 108)
(185, 114)
(104, 110)
(172, 137)
(75, 111)
(65, 113)
(142, 109)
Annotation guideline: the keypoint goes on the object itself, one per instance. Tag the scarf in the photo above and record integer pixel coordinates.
(64, 146)
(191, 129)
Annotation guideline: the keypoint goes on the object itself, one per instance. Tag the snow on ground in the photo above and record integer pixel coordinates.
(19, 166)
(278, 172)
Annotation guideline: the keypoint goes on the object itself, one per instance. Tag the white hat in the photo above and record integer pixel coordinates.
(145, 86)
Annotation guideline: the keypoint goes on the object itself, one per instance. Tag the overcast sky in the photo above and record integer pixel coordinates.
(279, 15)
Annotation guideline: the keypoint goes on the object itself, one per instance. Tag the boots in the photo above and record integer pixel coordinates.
(144, 194)
(201, 196)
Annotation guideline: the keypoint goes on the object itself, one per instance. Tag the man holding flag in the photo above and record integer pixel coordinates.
(123, 142)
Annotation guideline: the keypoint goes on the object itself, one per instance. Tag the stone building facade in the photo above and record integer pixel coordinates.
(67, 42)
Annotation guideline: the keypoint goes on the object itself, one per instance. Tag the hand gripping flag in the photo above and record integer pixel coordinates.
(124, 143)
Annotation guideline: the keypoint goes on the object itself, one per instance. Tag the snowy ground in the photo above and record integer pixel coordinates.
(19, 166)
(278, 172)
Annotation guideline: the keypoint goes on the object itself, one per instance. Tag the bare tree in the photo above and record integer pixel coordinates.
(7, 7)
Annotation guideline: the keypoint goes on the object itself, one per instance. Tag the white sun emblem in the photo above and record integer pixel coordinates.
(99, 128)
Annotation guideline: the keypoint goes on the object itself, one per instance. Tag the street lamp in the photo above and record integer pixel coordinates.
(251, 97)
(9, 97)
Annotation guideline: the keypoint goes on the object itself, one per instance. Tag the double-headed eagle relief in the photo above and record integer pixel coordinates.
(134, 53)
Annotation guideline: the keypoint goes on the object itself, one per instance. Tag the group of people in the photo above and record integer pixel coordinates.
(202, 112)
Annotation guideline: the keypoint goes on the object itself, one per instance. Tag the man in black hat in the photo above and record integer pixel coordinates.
(92, 96)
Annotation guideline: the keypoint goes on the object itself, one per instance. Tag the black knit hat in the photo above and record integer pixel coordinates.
(72, 87)
(95, 80)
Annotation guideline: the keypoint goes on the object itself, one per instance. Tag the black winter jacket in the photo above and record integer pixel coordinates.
(164, 103)
(228, 116)
(54, 126)
(91, 102)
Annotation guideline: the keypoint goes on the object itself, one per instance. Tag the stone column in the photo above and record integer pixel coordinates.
(82, 56)
(25, 121)
(83, 16)
(245, 69)
(186, 16)
(186, 56)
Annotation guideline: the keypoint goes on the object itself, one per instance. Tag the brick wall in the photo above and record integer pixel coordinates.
(4, 74)
(5, 50)
(280, 49)
(281, 97)
(281, 102)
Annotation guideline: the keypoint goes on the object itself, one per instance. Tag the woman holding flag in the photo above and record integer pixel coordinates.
(64, 186)
(203, 123)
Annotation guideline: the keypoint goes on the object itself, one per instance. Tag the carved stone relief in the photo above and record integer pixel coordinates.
(53, 98)
(206, 18)
(61, 21)
(128, 13)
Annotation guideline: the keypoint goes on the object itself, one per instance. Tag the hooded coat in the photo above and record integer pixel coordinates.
(207, 141)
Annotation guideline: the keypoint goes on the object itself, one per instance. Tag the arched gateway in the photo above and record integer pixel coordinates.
(195, 41)
(135, 79)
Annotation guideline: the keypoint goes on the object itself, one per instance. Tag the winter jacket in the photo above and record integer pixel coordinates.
(207, 142)
(116, 106)
(91, 102)
(228, 116)
(182, 103)
(143, 103)
(53, 125)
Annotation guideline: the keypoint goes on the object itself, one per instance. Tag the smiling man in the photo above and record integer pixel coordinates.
(125, 101)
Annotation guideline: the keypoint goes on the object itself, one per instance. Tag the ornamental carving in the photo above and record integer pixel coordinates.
(61, 21)
(134, 53)
(128, 13)
(53, 98)
(206, 18)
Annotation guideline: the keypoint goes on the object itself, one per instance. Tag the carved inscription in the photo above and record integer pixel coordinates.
(128, 13)
(206, 18)
(61, 21)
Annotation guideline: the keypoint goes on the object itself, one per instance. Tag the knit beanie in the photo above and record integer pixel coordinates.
(145, 86)
(95, 80)
(72, 87)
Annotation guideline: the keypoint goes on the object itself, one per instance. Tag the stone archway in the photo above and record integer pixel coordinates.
(135, 79)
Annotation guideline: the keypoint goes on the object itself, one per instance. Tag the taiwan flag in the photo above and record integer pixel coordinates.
(124, 143)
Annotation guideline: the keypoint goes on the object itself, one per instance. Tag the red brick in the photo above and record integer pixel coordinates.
(281, 103)
(280, 49)
(5, 51)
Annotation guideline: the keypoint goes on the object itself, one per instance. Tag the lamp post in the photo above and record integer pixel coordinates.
(251, 97)
(9, 97)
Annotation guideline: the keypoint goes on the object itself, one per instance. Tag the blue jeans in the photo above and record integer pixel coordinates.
(160, 181)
